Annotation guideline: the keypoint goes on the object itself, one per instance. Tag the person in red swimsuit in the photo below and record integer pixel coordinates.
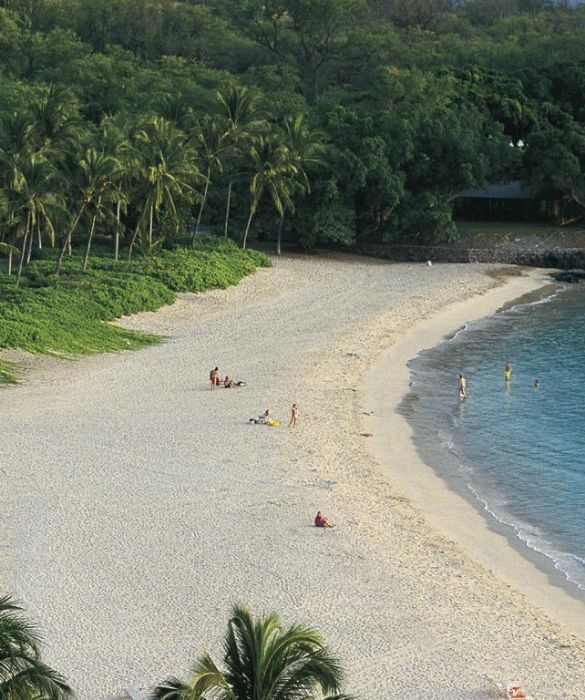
(321, 520)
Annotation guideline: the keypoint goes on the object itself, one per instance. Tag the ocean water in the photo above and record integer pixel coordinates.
(516, 451)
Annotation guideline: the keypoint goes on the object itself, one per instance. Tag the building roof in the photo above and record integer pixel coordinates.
(503, 190)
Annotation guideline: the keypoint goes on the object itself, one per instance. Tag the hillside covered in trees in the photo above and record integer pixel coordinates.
(134, 121)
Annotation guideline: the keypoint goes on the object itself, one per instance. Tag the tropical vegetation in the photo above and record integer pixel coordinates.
(135, 120)
(23, 674)
(66, 314)
(130, 127)
(262, 660)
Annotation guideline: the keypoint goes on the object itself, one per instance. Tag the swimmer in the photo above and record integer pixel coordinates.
(508, 371)
(462, 385)
(536, 383)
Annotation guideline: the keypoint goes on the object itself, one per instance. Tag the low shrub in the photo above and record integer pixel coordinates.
(67, 315)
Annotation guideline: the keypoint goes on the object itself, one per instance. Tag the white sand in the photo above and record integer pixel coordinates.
(138, 505)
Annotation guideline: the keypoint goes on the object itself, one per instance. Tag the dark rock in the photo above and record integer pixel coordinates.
(569, 259)
(571, 276)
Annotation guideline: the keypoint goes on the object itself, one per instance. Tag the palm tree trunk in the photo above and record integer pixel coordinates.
(67, 242)
(23, 251)
(279, 237)
(150, 226)
(247, 228)
(30, 245)
(62, 254)
(10, 263)
(88, 249)
(202, 203)
(133, 241)
(117, 238)
(39, 236)
(227, 209)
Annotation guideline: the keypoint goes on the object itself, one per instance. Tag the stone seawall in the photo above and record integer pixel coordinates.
(564, 259)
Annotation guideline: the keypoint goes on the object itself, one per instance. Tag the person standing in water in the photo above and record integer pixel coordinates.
(462, 385)
(508, 371)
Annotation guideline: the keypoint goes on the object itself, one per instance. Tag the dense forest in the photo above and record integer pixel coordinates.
(134, 122)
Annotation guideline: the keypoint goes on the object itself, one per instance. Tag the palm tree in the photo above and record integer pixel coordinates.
(55, 120)
(16, 144)
(176, 109)
(168, 170)
(287, 187)
(106, 169)
(16, 132)
(116, 139)
(262, 661)
(305, 148)
(94, 175)
(272, 171)
(211, 143)
(241, 122)
(22, 673)
(6, 248)
(34, 189)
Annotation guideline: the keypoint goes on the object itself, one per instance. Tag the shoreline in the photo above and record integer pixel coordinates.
(487, 542)
(141, 461)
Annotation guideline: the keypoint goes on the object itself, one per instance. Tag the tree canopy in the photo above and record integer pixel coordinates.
(408, 103)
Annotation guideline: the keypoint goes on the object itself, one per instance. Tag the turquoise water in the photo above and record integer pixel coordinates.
(518, 452)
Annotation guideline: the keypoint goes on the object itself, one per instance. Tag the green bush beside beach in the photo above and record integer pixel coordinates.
(67, 315)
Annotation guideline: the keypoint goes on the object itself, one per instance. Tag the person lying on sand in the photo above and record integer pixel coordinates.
(262, 419)
(232, 384)
(266, 419)
(321, 520)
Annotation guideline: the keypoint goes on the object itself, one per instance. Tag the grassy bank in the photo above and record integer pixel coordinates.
(68, 315)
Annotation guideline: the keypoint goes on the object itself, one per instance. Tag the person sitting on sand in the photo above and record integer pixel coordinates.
(214, 377)
(321, 520)
(462, 385)
(228, 383)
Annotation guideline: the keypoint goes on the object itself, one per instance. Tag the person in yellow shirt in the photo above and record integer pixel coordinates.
(508, 371)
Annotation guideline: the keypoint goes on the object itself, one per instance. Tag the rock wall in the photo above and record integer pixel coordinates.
(564, 259)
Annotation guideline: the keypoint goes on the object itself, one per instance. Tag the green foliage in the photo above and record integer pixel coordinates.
(401, 101)
(423, 220)
(8, 372)
(22, 671)
(325, 218)
(67, 315)
(263, 660)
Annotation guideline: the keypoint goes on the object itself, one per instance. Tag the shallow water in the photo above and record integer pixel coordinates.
(516, 451)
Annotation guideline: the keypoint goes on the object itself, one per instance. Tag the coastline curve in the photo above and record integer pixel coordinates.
(385, 385)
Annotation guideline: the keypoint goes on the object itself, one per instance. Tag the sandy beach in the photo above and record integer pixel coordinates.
(138, 505)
